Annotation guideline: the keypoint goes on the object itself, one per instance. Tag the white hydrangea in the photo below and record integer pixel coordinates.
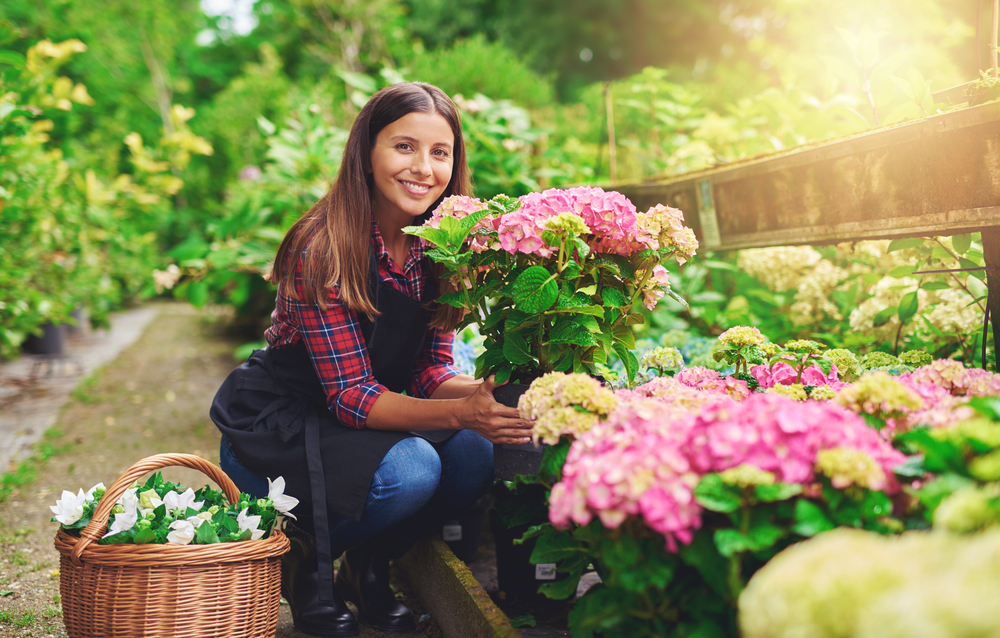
(779, 268)
(955, 312)
(813, 301)
(887, 292)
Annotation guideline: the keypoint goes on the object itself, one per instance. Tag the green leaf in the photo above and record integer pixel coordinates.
(961, 243)
(763, 535)
(593, 311)
(554, 546)
(535, 290)
(934, 285)
(810, 519)
(884, 316)
(205, 535)
(635, 319)
(144, 536)
(703, 555)
(902, 271)
(908, 306)
(563, 589)
(553, 459)
(515, 349)
(777, 492)
(730, 541)
(711, 493)
(572, 332)
(613, 298)
(523, 620)
(902, 244)
(939, 455)
(13, 58)
(628, 360)
(502, 375)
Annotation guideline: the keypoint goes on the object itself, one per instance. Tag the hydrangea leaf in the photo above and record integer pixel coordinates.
(613, 297)
(535, 290)
(573, 332)
(703, 555)
(777, 492)
(515, 349)
(810, 519)
(711, 493)
(908, 306)
(731, 541)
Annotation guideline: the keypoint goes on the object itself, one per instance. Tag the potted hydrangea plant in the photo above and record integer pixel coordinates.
(553, 280)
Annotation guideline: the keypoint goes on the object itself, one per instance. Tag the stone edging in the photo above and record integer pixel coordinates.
(452, 595)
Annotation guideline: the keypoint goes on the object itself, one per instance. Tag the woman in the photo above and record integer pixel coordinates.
(323, 404)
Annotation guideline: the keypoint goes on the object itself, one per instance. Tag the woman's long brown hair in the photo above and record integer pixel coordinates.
(337, 229)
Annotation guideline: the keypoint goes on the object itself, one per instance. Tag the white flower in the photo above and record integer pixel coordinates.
(282, 502)
(149, 500)
(90, 492)
(182, 502)
(183, 532)
(125, 520)
(69, 509)
(198, 519)
(247, 522)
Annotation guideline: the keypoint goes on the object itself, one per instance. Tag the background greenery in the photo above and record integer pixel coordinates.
(195, 140)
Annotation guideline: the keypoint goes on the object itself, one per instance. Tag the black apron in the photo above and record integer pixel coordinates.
(273, 409)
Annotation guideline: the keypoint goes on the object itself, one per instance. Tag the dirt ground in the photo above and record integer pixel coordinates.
(153, 398)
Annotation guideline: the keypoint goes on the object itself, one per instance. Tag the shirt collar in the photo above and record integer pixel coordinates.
(417, 249)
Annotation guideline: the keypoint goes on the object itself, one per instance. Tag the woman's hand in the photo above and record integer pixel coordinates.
(493, 421)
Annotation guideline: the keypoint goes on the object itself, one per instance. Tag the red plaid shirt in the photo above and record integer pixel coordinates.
(337, 347)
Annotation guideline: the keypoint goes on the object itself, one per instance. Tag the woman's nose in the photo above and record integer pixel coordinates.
(421, 164)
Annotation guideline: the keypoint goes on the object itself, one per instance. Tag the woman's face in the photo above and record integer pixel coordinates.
(411, 165)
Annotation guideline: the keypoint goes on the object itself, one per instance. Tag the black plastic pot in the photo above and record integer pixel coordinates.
(464, 533)
(51, 342)
(509, 459)
(516, 576)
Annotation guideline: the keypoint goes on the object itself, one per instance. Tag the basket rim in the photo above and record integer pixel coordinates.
(172, 554)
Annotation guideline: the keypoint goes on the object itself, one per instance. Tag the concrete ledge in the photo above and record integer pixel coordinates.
(452, 595)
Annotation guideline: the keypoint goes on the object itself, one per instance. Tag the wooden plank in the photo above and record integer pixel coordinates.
(938, 176)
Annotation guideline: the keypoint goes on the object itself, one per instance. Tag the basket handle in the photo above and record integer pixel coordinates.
(99, 523)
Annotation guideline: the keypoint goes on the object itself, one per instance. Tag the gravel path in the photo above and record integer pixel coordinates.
(152, 397)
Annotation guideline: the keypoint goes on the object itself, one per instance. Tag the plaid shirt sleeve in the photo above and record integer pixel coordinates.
(337, 348)
(434, 364)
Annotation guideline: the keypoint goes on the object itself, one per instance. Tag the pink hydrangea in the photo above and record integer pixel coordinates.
(712, 381)
(782, 436)
(648, 457)
(611, 218)
(521, 231)
(656, 287)
(956, 378)
(483, 235)
(784, 374)
(940, 408)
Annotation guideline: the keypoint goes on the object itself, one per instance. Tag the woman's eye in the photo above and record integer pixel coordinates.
(441, 152)
(403, 146)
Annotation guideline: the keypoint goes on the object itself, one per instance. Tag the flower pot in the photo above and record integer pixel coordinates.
(464, 533)
(51, 342)
(516, 576)
(82, 326)
(511, 459)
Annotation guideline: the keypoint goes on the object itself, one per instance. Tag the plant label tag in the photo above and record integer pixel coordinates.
(545, 571)
(451, 532)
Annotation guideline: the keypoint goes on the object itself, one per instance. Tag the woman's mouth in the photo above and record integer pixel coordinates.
(414, 187)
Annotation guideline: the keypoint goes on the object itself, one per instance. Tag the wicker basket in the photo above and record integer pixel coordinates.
(169, 591)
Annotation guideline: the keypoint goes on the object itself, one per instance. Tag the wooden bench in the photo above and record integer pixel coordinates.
(934, 177)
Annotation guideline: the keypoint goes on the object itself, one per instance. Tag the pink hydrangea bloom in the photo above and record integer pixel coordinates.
(483, 235)
(647, 458)
(712, 381)
(784, 374)
(655, 287)
(610, 216)
(956, 378)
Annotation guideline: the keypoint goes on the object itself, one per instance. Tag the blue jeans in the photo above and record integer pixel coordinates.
(417, 487)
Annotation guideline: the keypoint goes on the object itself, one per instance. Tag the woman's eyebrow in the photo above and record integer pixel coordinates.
(409, 138)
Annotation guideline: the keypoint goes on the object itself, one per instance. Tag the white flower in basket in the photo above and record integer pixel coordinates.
(69, 509)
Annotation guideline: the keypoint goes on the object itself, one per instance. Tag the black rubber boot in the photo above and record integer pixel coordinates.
(363, 579)
(300, 587)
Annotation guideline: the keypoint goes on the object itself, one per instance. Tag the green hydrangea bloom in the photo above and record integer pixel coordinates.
(821, 393)
(915, 358)
(795, 391)
(746, 475)
(569, 222)
(846, 467)
(876, 360)
(967, 509)
(848, 366)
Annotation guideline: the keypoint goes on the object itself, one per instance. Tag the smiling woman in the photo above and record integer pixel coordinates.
(352, 331)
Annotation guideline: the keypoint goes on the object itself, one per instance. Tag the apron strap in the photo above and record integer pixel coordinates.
(321, 524)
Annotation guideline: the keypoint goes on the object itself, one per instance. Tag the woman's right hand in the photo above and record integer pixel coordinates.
(493, 421)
